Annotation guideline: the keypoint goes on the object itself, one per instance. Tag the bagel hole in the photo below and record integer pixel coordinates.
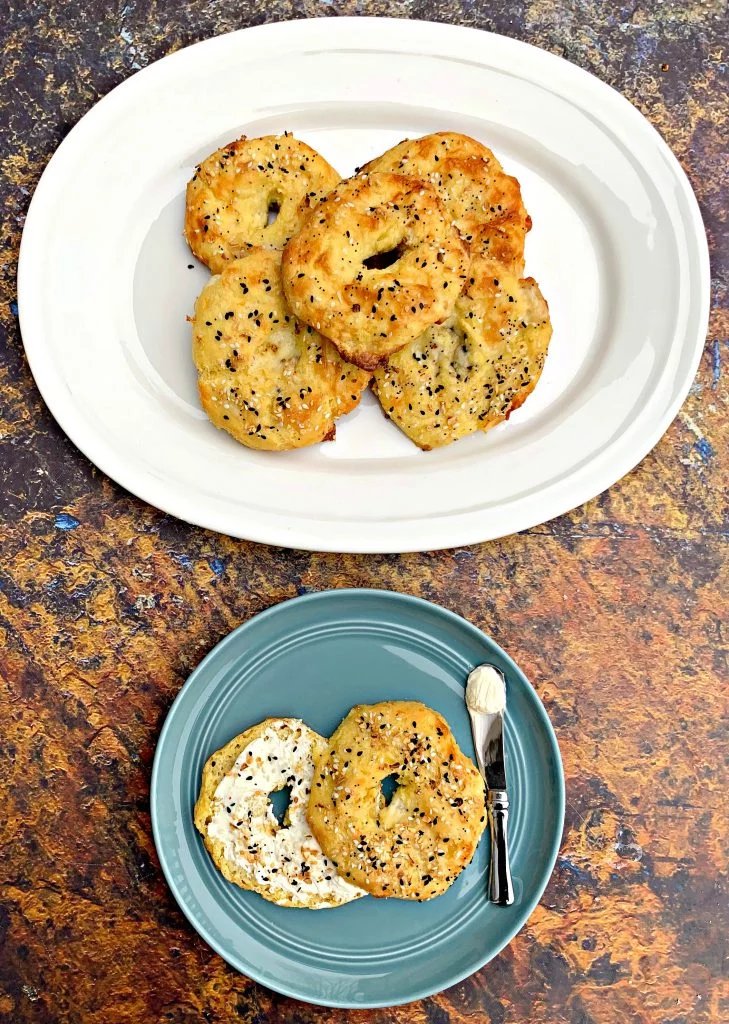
(279, 800)
(272, 213)
(383, 260)
(388, 787)
(462, 357)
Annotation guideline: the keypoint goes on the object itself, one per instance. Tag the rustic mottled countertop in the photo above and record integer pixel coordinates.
(617, 612)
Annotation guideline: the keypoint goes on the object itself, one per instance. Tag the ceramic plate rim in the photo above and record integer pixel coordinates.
(369, 593)
(444, 530)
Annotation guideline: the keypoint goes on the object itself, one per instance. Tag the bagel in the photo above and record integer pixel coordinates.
(281, 862)
(374, 265)
(415, 846)
(252, 192)
(474, 370)
(483, 201)
(264, 377)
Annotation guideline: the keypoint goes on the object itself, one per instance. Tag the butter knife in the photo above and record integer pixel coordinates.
(486, 702)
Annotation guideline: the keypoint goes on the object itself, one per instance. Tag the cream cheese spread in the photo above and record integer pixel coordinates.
(485, 690)
(277, 856)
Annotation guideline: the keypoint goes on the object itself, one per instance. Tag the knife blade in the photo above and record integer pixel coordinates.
(490, 751)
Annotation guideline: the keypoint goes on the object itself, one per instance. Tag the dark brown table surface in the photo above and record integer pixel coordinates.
(617, 612)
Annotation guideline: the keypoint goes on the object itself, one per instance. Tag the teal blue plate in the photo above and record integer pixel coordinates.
(313, 658)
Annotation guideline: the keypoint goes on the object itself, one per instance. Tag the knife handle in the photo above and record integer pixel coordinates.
(501, 890)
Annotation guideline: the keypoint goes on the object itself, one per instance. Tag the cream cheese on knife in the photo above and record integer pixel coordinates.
(485, 691)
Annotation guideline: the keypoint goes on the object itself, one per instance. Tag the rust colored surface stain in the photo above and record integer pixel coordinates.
(617, 611)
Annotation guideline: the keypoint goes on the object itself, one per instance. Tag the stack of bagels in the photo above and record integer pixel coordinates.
(407, 277)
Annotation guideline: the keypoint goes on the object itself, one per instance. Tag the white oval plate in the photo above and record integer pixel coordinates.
(617, 246)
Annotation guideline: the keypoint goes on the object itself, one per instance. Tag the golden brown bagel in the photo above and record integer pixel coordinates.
(471, 372)
(483, 201)
(374, 265)
(416, 846)
(252, 192)
(263, 376)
